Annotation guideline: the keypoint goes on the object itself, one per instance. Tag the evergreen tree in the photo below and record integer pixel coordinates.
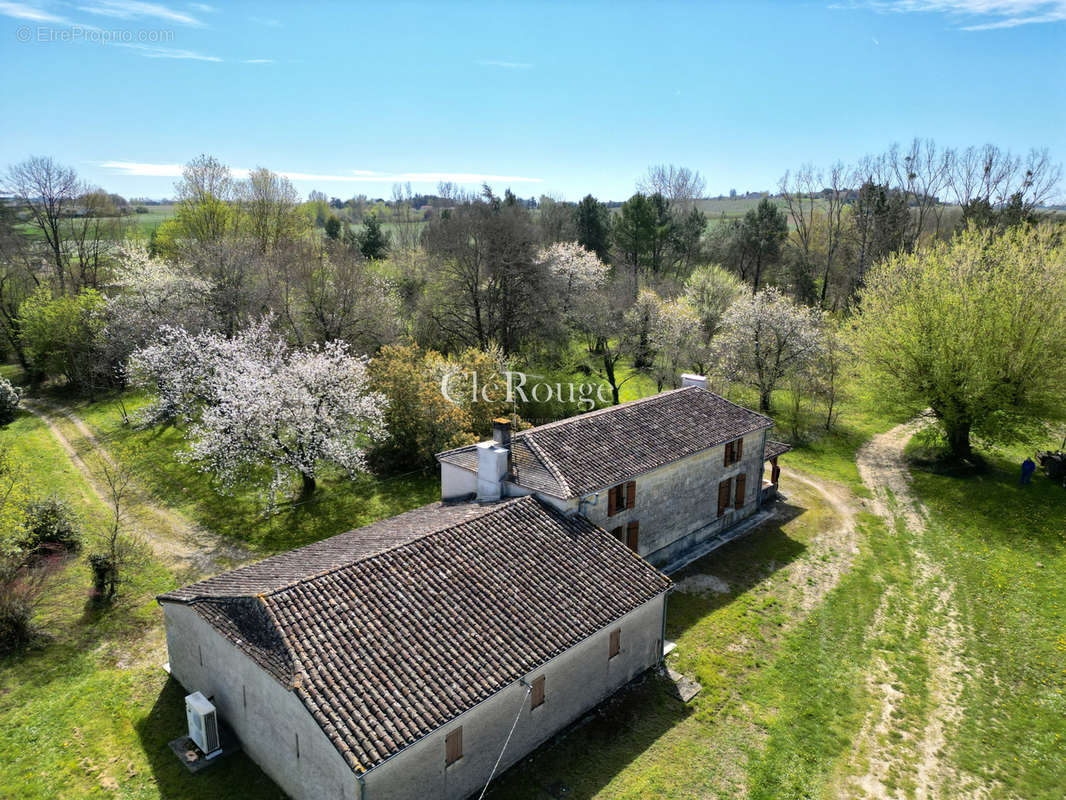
(372, 240)
(593, 227)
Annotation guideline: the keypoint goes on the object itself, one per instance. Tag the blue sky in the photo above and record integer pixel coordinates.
(558, 98)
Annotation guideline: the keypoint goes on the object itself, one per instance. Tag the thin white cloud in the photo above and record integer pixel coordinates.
(258, 61)
(131, 9)
(975, 15)
(506, 64)
(23, 11)
(158, 51)
(352, 176)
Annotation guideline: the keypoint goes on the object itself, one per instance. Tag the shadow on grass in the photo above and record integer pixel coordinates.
(585, 757)
(234, 776)
(742, 564)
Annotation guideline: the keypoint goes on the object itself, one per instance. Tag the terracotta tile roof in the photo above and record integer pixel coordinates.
(602, 448)
(774, 449)
(432, 612)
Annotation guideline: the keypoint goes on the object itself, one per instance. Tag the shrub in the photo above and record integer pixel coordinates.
(9, 401)
(51, 523)
(105, 576)
(22, 585)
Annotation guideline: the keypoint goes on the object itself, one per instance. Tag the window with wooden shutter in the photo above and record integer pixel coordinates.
(619, 533)
(612, 504)
(723, 497)
(740, 450)
(616, 643)
(631, 494)
(728, 454)
(632, 535)
(536, 693)
(453, 746)
(742, 485)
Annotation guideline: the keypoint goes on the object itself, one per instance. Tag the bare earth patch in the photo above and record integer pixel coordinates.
(887, 760)
(188, 548)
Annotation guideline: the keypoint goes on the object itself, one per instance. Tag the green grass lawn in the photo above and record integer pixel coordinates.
(339, 504)
(1004, 547)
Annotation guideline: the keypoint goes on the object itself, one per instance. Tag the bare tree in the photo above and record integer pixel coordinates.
(117, 550)
(680, 185)
(268, 204)
(49, 191)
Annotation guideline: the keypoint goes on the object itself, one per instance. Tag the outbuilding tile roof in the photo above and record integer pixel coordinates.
(593, 451)
(428, 614)
(774, 449)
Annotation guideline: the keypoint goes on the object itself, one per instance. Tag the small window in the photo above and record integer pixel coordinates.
(742, 485)
(536, 694)
(619, 533)
(728, 454)
(633, 536)
(723, 496)
(453, 746)
(616, 641)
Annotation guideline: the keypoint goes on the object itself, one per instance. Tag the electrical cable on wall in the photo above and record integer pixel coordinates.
(529, 688)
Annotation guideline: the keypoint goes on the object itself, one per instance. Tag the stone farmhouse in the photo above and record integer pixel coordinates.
(418, 656)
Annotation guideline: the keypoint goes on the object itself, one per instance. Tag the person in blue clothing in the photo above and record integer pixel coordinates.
(1028, 468)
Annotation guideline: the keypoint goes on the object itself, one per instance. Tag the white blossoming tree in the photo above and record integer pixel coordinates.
(252, 403)
(764, 339)
(577, 274)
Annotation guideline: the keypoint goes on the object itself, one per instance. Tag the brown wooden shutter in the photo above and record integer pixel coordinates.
(616, 642)
(728, 454)
(631, 493)
(742, 484)
(612, 504)
(633, 535)
(453, 746)
(536, 694)
(740, 449)
(723, 497)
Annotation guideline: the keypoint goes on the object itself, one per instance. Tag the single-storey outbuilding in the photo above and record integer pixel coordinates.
(393, 660)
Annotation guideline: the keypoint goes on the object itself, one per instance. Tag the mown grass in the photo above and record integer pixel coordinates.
(245, 514)
(87, 710)
(1004, 547)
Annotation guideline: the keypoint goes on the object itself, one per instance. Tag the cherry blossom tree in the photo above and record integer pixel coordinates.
(252, 403)
(764, 339)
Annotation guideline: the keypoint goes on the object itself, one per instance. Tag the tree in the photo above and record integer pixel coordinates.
(710, 291)
(62, 336)
(204, 212)
(971, 329)
(575, 274)
(677, 340)
(9, 401)
(680, 185)
(593, 223)
(333, 227)
(116, 551)
(761, 234)
(75, 223)
(268, 209)
(420, 420)
(253, 403)
(372, 240)
(49, 191)
(764, 339)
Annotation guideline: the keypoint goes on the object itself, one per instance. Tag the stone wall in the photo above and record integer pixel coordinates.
(676, 505)
(269, 719)
(575, 682)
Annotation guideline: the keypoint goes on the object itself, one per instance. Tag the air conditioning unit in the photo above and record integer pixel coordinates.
(203, 723)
